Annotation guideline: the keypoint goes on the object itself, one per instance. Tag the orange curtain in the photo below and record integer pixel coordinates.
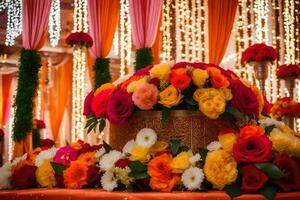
(6, 83)
(59, 94)
(157, 44)
(90, 64)
(221, 14)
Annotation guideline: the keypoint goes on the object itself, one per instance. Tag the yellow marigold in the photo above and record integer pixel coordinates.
(227, 141)
(170, 97)
(139, 153)
(181, 162)
(161, 71)
(105, 87)
(199, 77)
(282, 142)
(75, 177)
(45, 175)
(89, 158)
(157, 147)
(220, 168)
(211, 101)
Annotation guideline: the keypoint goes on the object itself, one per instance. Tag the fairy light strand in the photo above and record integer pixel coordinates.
(166, 31)
(14, 21)
(54, 23)
(3, 5)
(78, 72)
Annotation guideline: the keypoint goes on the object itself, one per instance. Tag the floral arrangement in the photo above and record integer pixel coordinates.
(260, 157)
(285, 107)
(258, 53)
(186, 86)
(80, 39)
(36, 136)
(1, 134)
(291, 70)
(39, 124)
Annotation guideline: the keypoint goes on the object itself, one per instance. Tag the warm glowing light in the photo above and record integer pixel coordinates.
(54, 23)
(14, 21)
(166, 31)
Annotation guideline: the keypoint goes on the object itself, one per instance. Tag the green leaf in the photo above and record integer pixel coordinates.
(269, 191)
(102, 124)
(235, 112)
(138, 175)
(165, 114)
(175, 144)
(107, 147)
(92, 126)
(268, 129)
(90, 121)
(203, 153)
(137, 166)
(58, 168)
(183, 149)
(67, 143)
(190, 101)
(270, 170)
(234, 189)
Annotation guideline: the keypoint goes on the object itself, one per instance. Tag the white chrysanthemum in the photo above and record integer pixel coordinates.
(192, 178)
(146, 137)
(127, 149)
(99, 153)
(195, 158)
(44, 155)
(213, 146)
(269, 122)
(108, 181)
(108, 160)
(18, 159)
(5, 176)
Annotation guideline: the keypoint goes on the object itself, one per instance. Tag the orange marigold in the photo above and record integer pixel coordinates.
(160, 171)
(251, 130)
(89, 158)
(75, 177)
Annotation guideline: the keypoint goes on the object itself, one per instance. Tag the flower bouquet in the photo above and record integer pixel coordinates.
(80, 39)
(289, 73)
(285, 107)
(38, 125)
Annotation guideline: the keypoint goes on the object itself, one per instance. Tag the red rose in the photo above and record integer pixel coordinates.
(181, 81)
(288, 71)
(122, 163)
(87, 104)
(144, 71)
(94, 176)
(155, 81)
(47, 143)
(259, 52)
(99, 103)
(289, 167)
(244, 99)
(255, 149)
(267, 106)
(24, 177)
(197, 65)
(253, 179)
(1, 134)
(120, 107)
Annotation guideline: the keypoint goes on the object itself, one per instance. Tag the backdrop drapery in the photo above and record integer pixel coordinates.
(157, 44)
(6, 84)
(59, 94)
(35, 16)
(221, 14)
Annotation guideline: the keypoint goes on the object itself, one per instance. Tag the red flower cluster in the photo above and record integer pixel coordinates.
(79, 38)
(259, 52)
(288, 71)
(40, 124)
(285, 107)
(48, 143)
(24, 175)
(253, 179)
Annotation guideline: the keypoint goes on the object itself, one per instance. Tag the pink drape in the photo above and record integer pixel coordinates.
(144, 16)
(35, 20)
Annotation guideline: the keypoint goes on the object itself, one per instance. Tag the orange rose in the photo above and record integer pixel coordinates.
(218, 80)
(179, 78)
(251, 130)
(160, 171)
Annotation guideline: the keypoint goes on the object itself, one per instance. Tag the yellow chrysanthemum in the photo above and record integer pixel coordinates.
(181, 162)
(89, 158)
(139, 153)
(220, 168)
(227, 140)
(45, 175)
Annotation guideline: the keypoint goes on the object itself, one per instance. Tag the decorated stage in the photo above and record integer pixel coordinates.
(55, 194)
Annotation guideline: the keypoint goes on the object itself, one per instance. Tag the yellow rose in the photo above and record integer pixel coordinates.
(45, 175)
(161, 71)
(181, 162)
(227, 141)
(170, 97)
(135, 84)
(157, 147)
(220, 168)
(139, 153)
(104, 87)
(226, 93)
(199, 77)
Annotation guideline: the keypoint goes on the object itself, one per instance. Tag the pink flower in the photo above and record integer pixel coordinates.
(120, 107)
(145, 96)
(65, 155)
(87, 104)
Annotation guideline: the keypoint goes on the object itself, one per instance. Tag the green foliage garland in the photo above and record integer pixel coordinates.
(30, 63)
(143, 58)
(102, 74)
(36, 138)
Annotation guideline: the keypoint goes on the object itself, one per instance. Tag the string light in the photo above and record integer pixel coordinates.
(10, 129)
(3, 5)
(289, 28)
(78, 72)
(261, 10)
(125, 37)
(116, 43)
(166, 31)
(54, 23)
(14, 21)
